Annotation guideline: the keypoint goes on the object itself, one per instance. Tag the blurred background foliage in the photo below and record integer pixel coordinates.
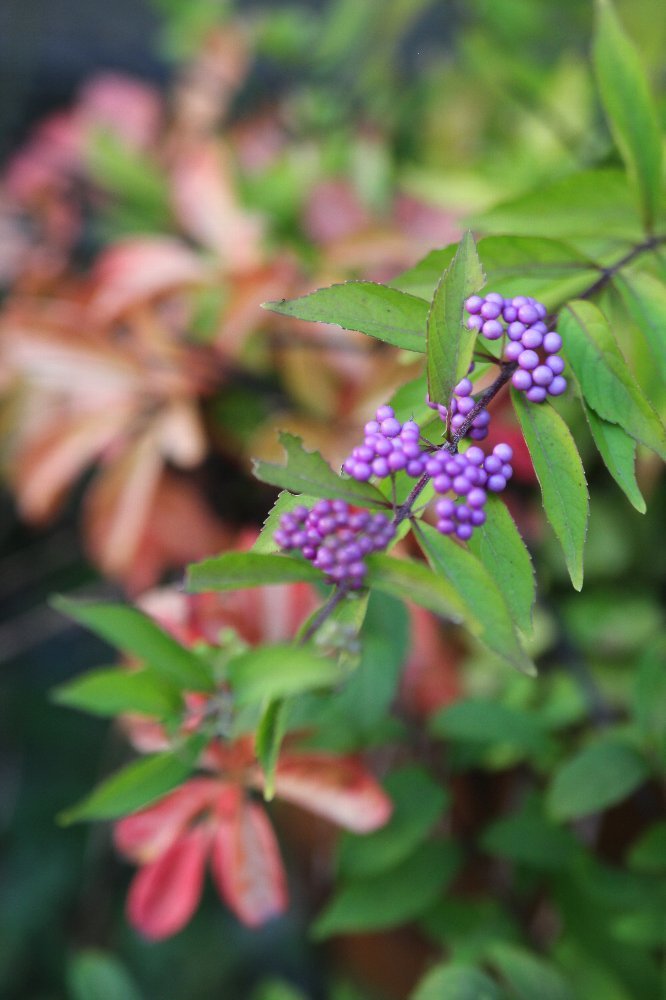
(260, 150)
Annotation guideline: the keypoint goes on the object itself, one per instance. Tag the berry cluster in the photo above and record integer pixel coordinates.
(388, 447)
(469, 475)
(335, 538)
(462, 404)
(523, 320)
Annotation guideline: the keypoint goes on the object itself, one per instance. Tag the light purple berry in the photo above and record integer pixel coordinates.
(503, 451)
(446, 507)
(493, 464)
(380, 468)
(495, 297)
(521, 380)
(473, 304)
(528, 360)
(532, 338)
(496, 483)
(513, 350)
(446, 526)
(491, 310)
(474, 455)
(478, 517)
(474, 323)
(384, 413)
(390, 427)
(461, 485)
(542, 375)
(362, 472)
(536, 394)
(557, 386)
(492, 329)
(556, 364)
(510, 314)
(476, 497)
(516, 330)
(441, 484)
(397, 460)
(552, 342)
(528, 314)
(465, 405)
(464, 387)
(464, 532)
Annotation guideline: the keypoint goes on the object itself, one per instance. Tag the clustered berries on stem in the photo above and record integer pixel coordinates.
(336, 538)
(522, 320)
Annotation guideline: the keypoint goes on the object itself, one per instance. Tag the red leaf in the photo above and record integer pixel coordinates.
(337, 788)
(146, 835)
(164, 895)
(247, 866)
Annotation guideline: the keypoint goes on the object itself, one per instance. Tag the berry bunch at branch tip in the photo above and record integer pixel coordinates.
(388, 447)
(469, 475)
(523, 320)
(335, 538)
(462, 404)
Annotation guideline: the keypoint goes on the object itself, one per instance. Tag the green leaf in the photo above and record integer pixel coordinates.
(377, 310)
(561, 476)
(487, 611)
(598, 776)
(307, 472)
(417, 804)
(413, 581)
(239, 570)
(618, 451)
(449, 343)
(648, 854)
(285, 503)
(95, 975)
(649, 697)
(605, 381)
(645, 298)
(392, 897)
(479, 720)
(498, 545)
(133, 632)
(528, 838)
(549, 270)
(270, 672)
(268, 739)
(575, 206)
(109, 692)
(527, 976)
(629, 108)
(455, 982)
(137, 785)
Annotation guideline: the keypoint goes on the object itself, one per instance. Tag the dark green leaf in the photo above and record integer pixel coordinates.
(413, 581)
(649, 697)
(529, 839)
(618, 451)
(648, 854)
(268, 740)
(561, 476)
(527, 976)
(238, 570)
(270, 672)
(96, 975)
(574, 206)
(133, 632)
(449, 343)
(137, 785)
(605, 381)
(479, 720)
(417, 804)
(307, 472)
(597, 777)
(455, 982)
(498, 545)
(377, 310)
(109, 692)
(488, 614)
(392, 897)
(630, 111)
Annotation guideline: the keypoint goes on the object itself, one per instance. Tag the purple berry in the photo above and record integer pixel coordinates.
(496, 297)
(473, 304)
(415, 468)
(516, 330)
(446, 507)
(380, 468)
(542, 375)
(536, 394)
(461, 485)
(464, 387)
(441, 484)
(528, 360)
(552, 342)
(474, 323)
(493, 464)
(503, 451)
(496, 483)
(513, 350)
(410, 429)
(477, 517)
(384, 413)
(476, 497)
(532, 338)
(510, 314)
(492, 329)
(390, 427)
(491, 310)
(556, 364)
(446, 526)
(397, 460)
(557, 386)
(474, 455)
(527, 314)
(521, 380)
(464, 532)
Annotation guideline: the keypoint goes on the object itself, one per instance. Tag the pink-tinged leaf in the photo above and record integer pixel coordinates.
(182, 437)
(164, 895)
(243, 313)
(208, 209)
(119, 505)
(431, 676)
(134, 271)
(146, 835)
(55, 459)
(130, 108)
(247, 866)
(334, 211)
(337, 788)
